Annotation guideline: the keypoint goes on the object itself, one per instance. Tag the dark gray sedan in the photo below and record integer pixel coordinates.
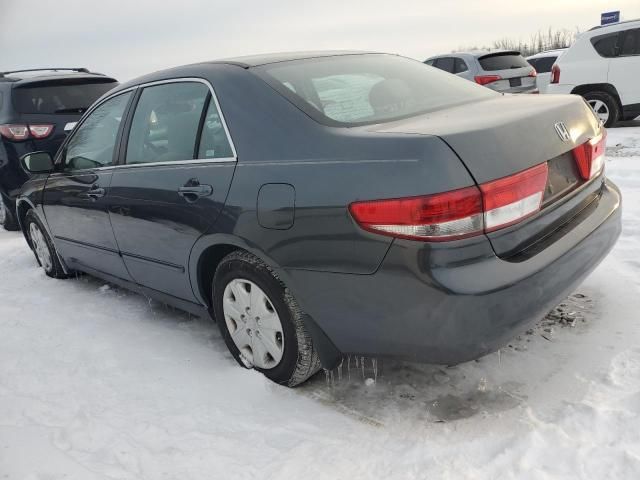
(324, 204)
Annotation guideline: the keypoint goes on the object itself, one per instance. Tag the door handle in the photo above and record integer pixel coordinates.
(191, 193)
(93, 193)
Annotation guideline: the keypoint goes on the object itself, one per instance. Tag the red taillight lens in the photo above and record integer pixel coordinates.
(555, 73)
(40, 131)
(22, 132)
(485, 79)
(533, 73)
(459, 213)
(511, 199)
(443, 216)
(14, 132)
(590, 156)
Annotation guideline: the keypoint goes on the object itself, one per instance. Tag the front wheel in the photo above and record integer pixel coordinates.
(605, 107)
(42, 246)
(261, 322)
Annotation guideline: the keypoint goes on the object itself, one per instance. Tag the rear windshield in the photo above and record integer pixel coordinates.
(57, 98)
(542, 64)
(350, 90)
(502, 61)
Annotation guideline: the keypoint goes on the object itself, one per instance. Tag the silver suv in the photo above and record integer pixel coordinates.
(504, 71)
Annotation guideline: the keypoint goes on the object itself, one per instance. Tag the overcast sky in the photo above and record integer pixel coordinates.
(133, 37)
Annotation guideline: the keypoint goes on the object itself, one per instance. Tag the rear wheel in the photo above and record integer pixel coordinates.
(605, 106)
(42, 246)
(261, 322)
(7, 217)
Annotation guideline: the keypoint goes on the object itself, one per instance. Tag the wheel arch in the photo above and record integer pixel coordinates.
(22, 207)
(206, 256)
(582, 90)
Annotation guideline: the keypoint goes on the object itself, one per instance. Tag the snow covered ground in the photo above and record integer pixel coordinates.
(97, 382)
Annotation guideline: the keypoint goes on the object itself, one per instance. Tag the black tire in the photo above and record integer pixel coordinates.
(7, 217)
(610, 102)
(54, 267)
(299, 358)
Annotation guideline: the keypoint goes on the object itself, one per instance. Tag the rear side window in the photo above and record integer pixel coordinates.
(502, 61)
(93, 144)
(166, 122)
(349, 90)
(57, 98)
(445, 63)
(606, 45)
(630, 43)
(214, 142)
(543, 64)
(459, 66)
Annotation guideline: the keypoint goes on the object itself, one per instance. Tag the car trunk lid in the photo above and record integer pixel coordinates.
(500, 137)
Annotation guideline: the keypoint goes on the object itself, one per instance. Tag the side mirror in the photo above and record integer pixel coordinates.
(37, 162)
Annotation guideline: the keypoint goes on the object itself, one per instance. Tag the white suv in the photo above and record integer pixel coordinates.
(603, 65)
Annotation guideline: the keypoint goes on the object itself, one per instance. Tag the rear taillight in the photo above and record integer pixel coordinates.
(22, 132)
(459, 213)
(40, 131)
(485, 79)
(590, 156)
(14, 132)
(555, 73)
(443, 216)
(511, 199)
(533, 73)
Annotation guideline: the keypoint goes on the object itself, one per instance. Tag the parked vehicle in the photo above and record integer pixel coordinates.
(326, 204)
(504, 71)
(603, 65)
(38, 107)
(543, 62)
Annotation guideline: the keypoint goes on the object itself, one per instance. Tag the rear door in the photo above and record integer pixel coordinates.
(75, 196)
(175, 170)
(624, 69)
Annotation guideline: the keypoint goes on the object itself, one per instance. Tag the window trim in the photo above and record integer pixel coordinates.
(126, 127)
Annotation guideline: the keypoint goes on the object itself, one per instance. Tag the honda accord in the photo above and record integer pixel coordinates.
(324, 204)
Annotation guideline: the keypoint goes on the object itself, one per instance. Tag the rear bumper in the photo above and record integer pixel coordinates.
(559, 88)
(428, 303)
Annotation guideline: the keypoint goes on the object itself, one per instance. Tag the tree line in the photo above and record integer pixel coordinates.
(538, 42)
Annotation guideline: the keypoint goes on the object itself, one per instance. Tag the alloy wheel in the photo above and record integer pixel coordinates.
(600, 108)
(253, 324)
(40, 246)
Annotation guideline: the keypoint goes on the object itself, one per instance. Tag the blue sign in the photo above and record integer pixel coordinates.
(609, 17)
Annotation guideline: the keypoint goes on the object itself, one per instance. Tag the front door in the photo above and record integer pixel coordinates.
(75, 196)
(172, 183)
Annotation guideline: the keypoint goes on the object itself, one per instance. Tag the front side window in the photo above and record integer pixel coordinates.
(93, 144)
(350, 90)
(166, 122)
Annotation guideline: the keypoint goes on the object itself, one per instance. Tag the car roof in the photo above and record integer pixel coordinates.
(614, 26)
(23, 77)
(475, 53)
(267, 58)
(548, 53)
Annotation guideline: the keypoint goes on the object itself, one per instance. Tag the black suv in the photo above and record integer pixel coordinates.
(38, 107)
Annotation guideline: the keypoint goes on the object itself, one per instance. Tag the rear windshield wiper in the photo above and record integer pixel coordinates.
(71, 110)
